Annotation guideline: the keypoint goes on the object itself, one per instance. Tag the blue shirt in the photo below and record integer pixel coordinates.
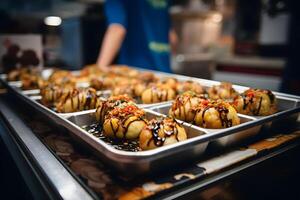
(147, 24)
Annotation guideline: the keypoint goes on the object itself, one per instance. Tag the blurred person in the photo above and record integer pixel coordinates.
(139, 32)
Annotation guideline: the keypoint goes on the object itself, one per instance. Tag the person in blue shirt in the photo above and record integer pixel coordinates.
(139, 30)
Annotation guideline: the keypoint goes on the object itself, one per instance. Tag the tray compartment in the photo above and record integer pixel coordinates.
(134, 163)
(283, 104)
(237, 137)
(88, 118)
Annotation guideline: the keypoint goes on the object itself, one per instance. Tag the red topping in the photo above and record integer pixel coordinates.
(130, 109)
(250, 94)
(205, 102)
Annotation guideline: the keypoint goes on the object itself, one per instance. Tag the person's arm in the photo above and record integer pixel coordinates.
(111, 45)
(116, 16)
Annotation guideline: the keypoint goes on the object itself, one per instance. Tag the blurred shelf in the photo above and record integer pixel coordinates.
(259, 62)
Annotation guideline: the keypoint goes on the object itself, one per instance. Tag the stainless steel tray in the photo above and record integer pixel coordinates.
(225, 141)
(141, 162)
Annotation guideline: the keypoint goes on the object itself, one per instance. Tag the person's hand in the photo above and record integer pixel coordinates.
(104, 68)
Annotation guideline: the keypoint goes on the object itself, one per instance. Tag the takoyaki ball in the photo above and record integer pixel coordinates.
(78, 100)
(59, 74)
(184, 106)
(52, 93)
(13, 75)
(124, 70)
(132, 87)
(108, 81)
(139, 88)
(123, 81)
(118, 99)
(216, 115)
(223, 91)
(91, 70)
(147, 77)
(189, 86)
(124, 89)
(30, 82)
(104, 106)
(158, 93)
(82, 79)
(256, 102)
(41, 83)
(16, 74)
(111, 81)
(97, 83)
(61, 77)
(170, 82)
(161, 132)
(125, 121)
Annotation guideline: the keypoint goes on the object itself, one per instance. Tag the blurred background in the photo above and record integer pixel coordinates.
(252, 43)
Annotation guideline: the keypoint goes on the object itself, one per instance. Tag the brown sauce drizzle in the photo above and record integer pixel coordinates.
(203, 113)
(161, 94)
(271, 96)
(122, 121)
(151, 96)
(87, 100)
(121, 124)
(181, 101)
(178, 104)
(246, 101)
(155, 126)
(256, 112)
(223, 112)
(101, 111)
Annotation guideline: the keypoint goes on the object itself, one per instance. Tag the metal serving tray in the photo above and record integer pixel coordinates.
(225, 141)
(141, 162)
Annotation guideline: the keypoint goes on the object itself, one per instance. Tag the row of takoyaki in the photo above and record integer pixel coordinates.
(194, 108)
(31, 78)
(157, 91)
(166, 90)
(119, 79)
(69, 99)
(122, 119)
(139, 85)
(89, 74)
